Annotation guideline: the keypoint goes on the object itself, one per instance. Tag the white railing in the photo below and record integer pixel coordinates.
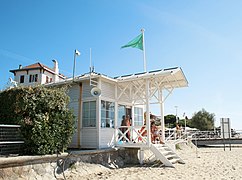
(137, 136)
(176, 135)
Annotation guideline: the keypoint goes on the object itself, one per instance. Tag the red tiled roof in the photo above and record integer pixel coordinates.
(37, 65)
(34, 66)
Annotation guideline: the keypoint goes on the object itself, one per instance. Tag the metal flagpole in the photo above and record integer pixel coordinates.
(143, 41)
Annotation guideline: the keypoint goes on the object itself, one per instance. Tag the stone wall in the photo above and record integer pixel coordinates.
(65, 165)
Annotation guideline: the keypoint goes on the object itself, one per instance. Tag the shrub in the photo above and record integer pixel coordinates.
(47, 124)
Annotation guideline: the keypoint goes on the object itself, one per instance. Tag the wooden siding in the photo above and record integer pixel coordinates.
(89, 138)
(86, 90)
(74, 92)
(108, 90)
(106, 135)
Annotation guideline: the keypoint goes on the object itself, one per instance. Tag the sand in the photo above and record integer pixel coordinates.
(204, 163)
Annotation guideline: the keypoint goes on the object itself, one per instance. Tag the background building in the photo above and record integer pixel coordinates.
(37, 74)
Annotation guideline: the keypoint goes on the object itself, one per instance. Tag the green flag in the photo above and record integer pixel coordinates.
(136, 42)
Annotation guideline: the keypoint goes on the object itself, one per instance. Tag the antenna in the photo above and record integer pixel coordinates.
(92, 82)
(95, 91)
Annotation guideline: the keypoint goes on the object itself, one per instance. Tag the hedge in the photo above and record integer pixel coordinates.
(47, 124)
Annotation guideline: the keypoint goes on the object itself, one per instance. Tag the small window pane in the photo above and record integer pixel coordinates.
(89, 114)
(138, 116)
(93, 105)
(107, 114)
(22, 79)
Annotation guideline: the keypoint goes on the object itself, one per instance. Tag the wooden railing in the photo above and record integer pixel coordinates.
(11, 141)
(135, 135)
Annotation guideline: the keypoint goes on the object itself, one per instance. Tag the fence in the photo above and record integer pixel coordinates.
(11, 141)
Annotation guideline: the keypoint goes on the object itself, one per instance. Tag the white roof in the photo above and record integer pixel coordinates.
(171, 77)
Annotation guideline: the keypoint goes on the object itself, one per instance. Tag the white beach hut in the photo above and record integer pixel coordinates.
(99, 102)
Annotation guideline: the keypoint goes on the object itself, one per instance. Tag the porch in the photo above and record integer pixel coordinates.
(145, 89)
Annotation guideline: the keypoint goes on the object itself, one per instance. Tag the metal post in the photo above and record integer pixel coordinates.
(229, 134)
(222, 130)
(143, 41)
(74, 65)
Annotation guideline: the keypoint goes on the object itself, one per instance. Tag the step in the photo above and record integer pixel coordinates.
(174, 161)
(169, 156)
(166, 155)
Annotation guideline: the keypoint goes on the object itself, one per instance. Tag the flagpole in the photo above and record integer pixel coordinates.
(74, 65)
(143, 40)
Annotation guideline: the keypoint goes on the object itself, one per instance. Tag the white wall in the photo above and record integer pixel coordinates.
(41, 76)
(26, 76)
(106, 135)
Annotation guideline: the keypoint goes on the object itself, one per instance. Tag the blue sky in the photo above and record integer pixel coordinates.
(203, 37)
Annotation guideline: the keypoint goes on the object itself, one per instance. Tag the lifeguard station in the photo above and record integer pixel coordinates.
(99, 102)
(143, 90)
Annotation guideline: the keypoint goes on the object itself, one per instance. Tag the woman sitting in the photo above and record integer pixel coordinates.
(155, 134)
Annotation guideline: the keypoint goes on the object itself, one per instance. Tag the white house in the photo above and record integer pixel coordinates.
(37, 74)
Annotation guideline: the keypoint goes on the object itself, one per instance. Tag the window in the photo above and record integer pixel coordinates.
(121, 113)
(89, 114)
(21, 79)
(33, 78)
(107, 114)
(47, 79)
(138, 116)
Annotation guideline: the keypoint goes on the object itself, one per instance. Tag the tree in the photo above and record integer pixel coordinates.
(203, 120)
(170, 120)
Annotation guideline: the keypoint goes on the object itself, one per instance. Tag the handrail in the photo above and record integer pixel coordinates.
(170, 136)
(135, 135)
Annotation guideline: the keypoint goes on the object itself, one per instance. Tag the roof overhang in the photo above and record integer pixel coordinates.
(168, 78)
(172, 77)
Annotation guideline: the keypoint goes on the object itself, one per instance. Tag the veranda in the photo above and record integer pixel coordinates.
(145, 89)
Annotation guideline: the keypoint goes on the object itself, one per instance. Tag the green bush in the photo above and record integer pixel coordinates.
(47, 124)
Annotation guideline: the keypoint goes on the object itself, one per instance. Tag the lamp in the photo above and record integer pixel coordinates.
(76, 53)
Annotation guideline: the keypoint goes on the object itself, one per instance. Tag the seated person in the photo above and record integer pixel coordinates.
(155, 134)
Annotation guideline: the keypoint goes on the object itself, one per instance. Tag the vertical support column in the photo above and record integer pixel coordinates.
(162, 115)
(141, 155)
(116, 116)
(98, 115)
(79, 118)
(132, 123)
(147, 90)
(132, 109)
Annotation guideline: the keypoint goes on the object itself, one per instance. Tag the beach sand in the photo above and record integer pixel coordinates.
(201, 163)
